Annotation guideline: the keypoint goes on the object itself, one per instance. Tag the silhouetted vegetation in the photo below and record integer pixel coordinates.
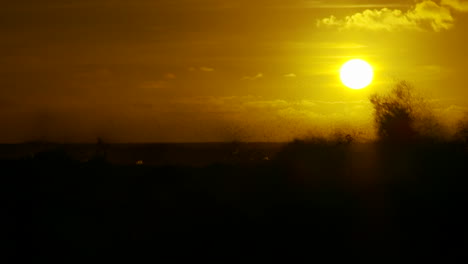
(402, 116)
(323, 197)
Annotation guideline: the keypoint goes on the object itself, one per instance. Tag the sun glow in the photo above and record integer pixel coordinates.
(356, 74)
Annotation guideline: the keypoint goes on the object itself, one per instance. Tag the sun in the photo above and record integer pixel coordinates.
(356, 74)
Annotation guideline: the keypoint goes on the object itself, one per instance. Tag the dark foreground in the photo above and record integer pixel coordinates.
(378, 202)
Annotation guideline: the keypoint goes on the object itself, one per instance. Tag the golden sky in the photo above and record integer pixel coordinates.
(213, 70)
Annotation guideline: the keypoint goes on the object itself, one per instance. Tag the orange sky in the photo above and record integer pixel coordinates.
(212, 70)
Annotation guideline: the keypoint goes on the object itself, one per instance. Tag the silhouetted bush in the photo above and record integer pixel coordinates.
(402, 116)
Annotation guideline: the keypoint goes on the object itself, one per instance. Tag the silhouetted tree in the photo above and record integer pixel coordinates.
(401, 116)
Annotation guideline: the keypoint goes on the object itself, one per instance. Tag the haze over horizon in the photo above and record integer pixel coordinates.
(206, 70)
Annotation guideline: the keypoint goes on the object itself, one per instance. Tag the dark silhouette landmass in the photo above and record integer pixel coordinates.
(401, 197)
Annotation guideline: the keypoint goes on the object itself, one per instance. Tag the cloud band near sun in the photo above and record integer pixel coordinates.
(426, 15)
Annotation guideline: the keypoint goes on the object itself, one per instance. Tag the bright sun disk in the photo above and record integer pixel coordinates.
(356, 74)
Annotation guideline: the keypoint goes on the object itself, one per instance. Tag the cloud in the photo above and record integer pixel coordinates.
(247, 105)
(203, 69)
(456, 4)
(206, 69)
(158, 84)
(170, 76)
(281, 119)
(424, 16)
(290, 75)
(253, 78)
(450, 115)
